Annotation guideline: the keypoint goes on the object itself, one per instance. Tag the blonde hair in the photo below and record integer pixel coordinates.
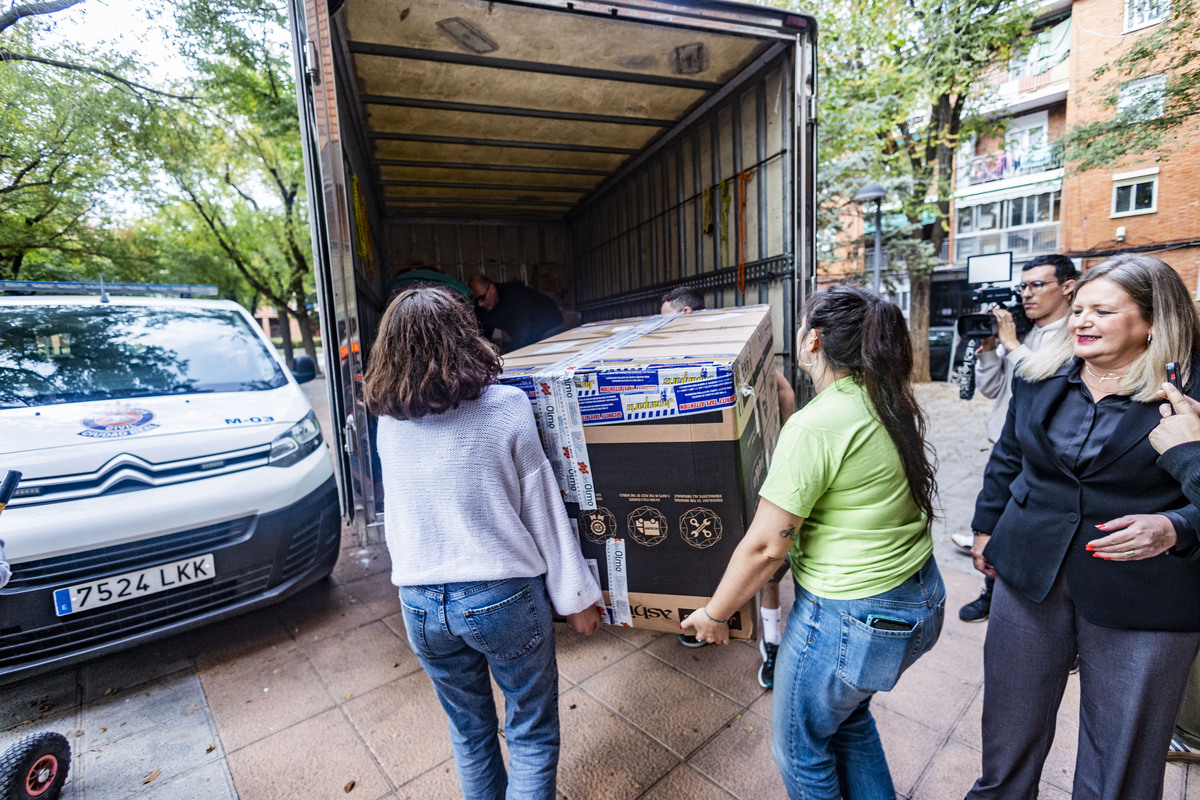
(1162, 300)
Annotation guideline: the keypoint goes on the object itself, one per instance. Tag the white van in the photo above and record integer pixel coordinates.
(173, 474)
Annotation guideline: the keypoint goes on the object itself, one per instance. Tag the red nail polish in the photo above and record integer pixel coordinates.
(1101, 525)
(1090, 548)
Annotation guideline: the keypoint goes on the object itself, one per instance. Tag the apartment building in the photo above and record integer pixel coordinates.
(1012, 191)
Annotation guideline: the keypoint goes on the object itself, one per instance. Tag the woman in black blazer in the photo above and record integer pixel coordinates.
(1089, 541)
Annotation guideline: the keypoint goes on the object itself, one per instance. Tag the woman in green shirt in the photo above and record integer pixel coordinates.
(849, 497)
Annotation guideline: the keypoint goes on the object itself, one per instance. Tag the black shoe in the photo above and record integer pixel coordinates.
(766, 672)
(687, 640)
(978, 609)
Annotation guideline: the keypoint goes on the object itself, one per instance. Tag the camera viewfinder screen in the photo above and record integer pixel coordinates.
(990, 268)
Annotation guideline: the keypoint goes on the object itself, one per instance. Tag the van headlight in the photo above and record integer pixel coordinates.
(301, 439)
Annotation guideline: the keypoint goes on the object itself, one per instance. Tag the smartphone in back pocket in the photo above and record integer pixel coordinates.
(888, 623)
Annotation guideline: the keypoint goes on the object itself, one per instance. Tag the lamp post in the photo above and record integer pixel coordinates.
(873, 191)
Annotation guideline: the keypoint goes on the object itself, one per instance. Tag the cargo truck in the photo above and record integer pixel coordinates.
(601, 153)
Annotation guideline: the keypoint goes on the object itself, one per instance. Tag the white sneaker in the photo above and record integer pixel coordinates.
(963, 541)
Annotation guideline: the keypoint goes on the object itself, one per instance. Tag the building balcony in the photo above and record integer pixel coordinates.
(1024, 242)
(999, 166)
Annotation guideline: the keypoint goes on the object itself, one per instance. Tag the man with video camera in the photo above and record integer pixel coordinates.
(1045, 292)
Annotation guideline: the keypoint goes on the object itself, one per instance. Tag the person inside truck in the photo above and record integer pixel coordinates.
(524, 314)
(481, 565)
(849, 498)
(683, 300)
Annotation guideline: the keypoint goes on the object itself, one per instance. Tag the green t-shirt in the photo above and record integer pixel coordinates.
(836, 466)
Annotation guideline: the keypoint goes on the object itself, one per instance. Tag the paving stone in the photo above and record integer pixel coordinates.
(929, 696)
(315, 758)
(951, 773)
(739, 760)
(165, 751)
(231, 639)
(603, 755)
(132, 668)
(908, 746)
(323, 610)
(360, 660)
(403, 725)
(956, 654)
(356, 562)
(671, 707)
(378, 592)
(209, 782)
(439, 783)
(685, 783)
(638, 637)
(54, 695)
(262, 694)
(177, 700)
(731, 669)
(581, 656)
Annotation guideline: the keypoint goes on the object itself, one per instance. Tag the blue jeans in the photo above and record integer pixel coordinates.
(829, 665)
(458, 631)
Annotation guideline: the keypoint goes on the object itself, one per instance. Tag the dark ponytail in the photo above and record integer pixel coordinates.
(866, 336)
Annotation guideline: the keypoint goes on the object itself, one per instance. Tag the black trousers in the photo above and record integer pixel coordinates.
(1131, 684)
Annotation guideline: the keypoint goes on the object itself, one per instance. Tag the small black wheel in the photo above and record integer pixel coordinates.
(35, 768)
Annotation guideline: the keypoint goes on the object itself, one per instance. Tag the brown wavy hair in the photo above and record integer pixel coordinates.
(866, 336)
(428, 357)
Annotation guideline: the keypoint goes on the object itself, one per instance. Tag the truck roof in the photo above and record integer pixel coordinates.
(526, 110)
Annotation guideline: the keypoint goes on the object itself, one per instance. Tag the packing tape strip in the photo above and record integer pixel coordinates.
(558, 404)
(618, 584)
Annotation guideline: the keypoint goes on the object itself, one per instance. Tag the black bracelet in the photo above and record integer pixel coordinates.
(714, 619)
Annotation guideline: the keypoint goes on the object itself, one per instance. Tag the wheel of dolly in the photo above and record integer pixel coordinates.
(35, 768)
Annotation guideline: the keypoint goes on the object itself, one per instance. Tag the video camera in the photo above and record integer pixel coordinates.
(984, 324)
(974, 328)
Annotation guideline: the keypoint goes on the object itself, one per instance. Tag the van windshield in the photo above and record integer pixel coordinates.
(70, 353)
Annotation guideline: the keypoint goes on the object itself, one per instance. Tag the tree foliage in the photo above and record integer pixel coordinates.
(902, 83)
(1169, 47)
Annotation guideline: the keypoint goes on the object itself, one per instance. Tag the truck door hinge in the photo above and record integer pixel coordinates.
(349, 434)
(312, 62)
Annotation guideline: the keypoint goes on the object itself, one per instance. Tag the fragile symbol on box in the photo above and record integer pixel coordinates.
(647, 526)
(700, 527)
(598, 525)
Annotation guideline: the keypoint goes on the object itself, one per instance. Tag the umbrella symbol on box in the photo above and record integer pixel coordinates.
(647, 526)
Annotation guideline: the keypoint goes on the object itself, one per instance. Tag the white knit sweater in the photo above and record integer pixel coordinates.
(469, 496)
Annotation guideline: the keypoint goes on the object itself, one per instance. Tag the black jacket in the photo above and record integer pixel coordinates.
(1041, 515)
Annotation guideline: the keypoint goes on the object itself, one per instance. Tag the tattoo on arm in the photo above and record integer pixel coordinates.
(788, 532)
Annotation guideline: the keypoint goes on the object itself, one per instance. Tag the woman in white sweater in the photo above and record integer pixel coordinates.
(480, 542)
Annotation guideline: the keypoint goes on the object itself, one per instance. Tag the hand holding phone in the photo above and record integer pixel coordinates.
(1173, 378)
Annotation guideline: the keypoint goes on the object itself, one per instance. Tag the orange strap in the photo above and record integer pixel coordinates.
(744, 177)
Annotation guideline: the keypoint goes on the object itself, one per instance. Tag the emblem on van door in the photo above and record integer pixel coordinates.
(117, 423)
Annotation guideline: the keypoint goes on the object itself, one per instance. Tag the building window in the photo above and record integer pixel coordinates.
(1143, 13)
(1027, 226)
(1135, 193)
(1142, 99)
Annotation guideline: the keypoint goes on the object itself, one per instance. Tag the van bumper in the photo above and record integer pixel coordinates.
(258, 560)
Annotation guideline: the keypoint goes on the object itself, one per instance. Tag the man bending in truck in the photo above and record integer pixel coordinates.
(683, 300)
(525, 314)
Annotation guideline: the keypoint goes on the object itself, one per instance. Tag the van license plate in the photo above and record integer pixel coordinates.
(131, 585)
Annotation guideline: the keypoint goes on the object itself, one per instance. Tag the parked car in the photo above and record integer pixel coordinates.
(174, 474)
(943, 339)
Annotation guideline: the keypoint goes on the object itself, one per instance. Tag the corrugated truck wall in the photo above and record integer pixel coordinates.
(709, 209)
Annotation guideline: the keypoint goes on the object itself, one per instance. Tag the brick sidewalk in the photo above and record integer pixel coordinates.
(300, 700)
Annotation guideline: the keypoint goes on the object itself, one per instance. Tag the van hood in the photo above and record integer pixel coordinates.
(71, 438)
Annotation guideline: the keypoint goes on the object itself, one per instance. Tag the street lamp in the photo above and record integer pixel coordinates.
(873, 191)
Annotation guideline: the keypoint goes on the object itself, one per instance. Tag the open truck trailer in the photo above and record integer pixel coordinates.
(602, 153)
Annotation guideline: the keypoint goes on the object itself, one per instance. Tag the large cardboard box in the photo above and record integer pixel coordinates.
(660, 430)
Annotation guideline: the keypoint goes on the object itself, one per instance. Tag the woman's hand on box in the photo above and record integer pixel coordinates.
(705, 628)
(586, 622)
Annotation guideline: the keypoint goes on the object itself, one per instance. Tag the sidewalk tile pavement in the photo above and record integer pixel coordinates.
(320, 697)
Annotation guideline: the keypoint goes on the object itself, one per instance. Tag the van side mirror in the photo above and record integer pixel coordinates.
(303, 369)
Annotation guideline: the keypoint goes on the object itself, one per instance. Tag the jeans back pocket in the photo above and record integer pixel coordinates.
(508, 629)
(414, 627)
(872, 659)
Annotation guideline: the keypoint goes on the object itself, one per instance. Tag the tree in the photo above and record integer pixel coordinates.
(1169, 48)
(236, 158)
(902, 84)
